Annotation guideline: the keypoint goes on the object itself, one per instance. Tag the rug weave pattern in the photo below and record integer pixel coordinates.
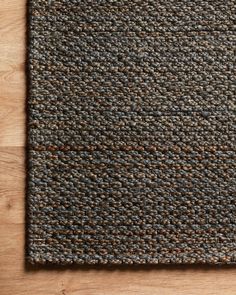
(131, 131)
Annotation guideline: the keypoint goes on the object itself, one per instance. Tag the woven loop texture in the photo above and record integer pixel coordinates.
(131, 131)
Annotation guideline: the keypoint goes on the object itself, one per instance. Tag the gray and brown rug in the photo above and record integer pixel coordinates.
(131, 131)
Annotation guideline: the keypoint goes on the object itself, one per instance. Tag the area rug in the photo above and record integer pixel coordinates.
(131, 132)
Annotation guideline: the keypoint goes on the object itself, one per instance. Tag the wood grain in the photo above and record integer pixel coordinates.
(12, 74)
(18, 278)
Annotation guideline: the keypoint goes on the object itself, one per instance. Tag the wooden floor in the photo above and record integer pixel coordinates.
(17, 278)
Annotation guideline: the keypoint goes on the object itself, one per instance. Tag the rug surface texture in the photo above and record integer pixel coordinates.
(131, 131)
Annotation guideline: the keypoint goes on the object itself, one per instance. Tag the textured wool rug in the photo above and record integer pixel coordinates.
(131, 131)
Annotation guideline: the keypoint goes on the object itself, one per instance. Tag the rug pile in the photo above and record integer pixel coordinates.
(131, 132)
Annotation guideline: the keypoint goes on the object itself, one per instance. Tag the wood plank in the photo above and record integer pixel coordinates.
(12, 72)
(12, 185)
